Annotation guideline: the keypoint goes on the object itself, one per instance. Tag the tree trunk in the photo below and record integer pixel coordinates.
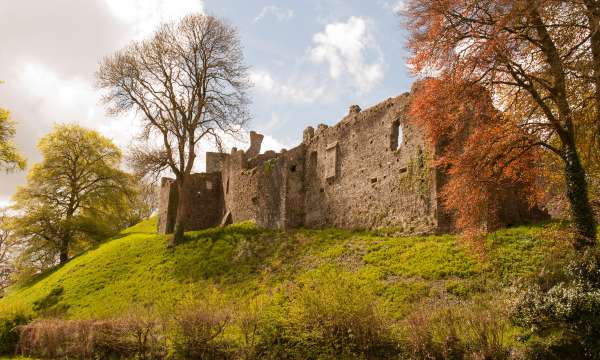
(64, 249)
(183, 203)
(582, 216)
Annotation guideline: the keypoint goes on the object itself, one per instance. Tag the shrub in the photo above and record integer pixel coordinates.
(456, 331)
(198, 329)
(9, 336)
(561, 310)
(334, 314)
(139, 335)
(249, 319)
(267, 331)
(128, 337)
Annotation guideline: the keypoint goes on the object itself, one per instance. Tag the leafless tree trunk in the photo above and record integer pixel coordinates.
(189, 84)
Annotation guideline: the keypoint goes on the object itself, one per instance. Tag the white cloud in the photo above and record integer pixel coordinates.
(262, 80)
(303, 92)
(280, 14)
(5, 202)
(145, 15)
(275, 120)
(397, 7)
(73, 100)
(350, 49)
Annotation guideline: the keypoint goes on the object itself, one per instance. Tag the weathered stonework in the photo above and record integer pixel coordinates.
(372, 169)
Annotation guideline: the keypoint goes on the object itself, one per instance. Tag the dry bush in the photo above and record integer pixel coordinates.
(127, 337)
(249, 318)
(336, 315)
(446, 331)
(198, 329)
(420, 337)
(51, 339)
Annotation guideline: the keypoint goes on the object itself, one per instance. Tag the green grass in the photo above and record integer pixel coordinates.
(138, 271)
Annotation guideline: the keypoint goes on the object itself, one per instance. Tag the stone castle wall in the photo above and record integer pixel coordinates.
(372, 169)
(205, 195)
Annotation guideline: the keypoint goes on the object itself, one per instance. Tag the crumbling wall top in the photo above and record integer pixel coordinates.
(255, 144)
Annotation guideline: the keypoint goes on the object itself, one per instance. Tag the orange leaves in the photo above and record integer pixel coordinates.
(486, 156)
(537, 60)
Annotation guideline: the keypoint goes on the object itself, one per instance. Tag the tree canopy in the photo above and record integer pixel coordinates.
(77, 194)
(10, 159)
(538, 60)
(7, 244)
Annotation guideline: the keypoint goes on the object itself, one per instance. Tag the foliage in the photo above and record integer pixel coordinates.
(539, 62)
(478, 150)
(273, 287)
(9, 336)
(143, 202)
(7, 250)
(199, 326)
(560, 310)
(76, 196)
(128, 337)
(456, 331)
(333, 314)
(590, 158)
(10, 159)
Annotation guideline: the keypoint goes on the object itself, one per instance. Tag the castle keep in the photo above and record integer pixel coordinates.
(372, 169)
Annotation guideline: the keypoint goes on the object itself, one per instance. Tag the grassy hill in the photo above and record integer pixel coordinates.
(241, 263)
(137, 269)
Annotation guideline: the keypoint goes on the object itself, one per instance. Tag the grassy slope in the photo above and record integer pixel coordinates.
(138, 270)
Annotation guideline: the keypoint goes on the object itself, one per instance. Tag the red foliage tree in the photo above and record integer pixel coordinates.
(539, 62)
(486, 156)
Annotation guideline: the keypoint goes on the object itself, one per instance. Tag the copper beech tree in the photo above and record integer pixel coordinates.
(539, 62)
(481, 151)
(189, 83)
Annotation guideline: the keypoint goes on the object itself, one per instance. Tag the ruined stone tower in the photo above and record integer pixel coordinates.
(372, 169)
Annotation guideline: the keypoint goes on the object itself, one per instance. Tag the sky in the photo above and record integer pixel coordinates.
(309, 61)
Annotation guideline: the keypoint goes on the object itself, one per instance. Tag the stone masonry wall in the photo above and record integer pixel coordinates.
(372, 169)
(267, 188)
(167, 208)
(206, 199)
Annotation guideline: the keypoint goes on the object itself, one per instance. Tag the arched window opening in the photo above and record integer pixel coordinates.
(396, 136)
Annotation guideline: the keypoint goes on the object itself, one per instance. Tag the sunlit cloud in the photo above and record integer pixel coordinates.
(144, 15)
(350, 49)
(306, 92)
(278, 13)
(73, 100)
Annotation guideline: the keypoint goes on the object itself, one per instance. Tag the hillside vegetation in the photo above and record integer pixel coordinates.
(286, 275)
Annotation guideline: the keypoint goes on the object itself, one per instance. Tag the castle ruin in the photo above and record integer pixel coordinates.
(372, 169)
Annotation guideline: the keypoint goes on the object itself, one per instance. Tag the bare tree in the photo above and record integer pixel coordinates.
(189, 83)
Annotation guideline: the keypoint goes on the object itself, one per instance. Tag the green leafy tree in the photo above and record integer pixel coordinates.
(77, 195)
(7, 244)
(10, 159)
